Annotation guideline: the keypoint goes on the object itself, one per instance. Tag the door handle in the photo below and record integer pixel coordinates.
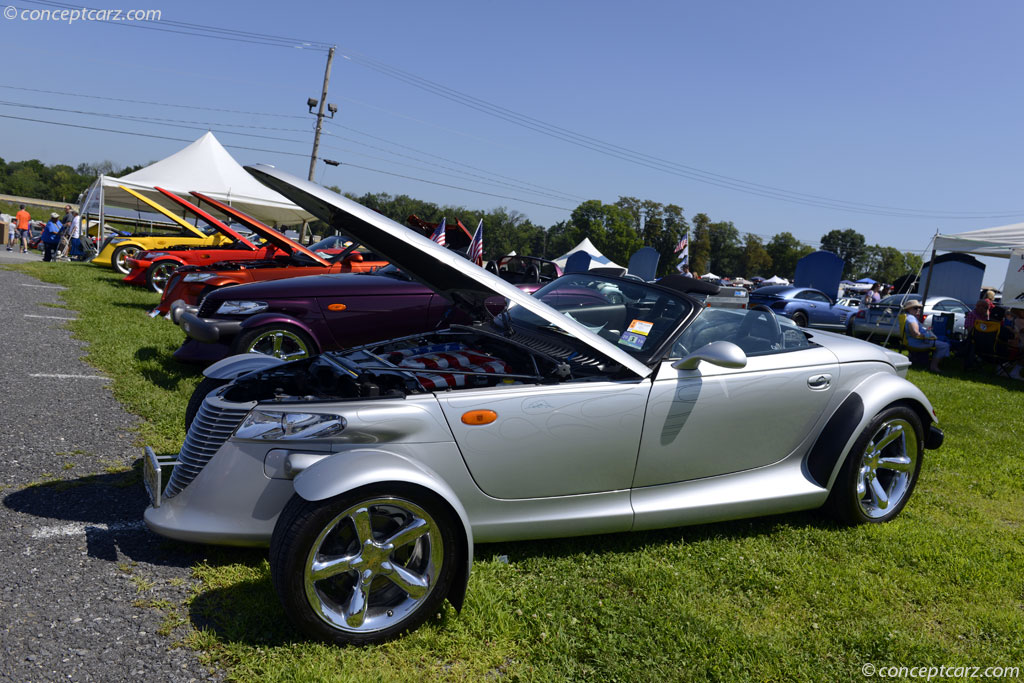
(819, 382)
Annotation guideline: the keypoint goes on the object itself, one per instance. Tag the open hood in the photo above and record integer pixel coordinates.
(222, 228)
(181, 223)
(264, 231)
(452, 276)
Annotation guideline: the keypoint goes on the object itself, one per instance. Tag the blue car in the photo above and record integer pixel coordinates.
(805, 306)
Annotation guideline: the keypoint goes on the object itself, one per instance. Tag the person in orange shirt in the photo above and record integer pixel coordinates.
(23, 217)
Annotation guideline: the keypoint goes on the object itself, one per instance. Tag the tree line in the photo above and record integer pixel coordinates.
(617, 229)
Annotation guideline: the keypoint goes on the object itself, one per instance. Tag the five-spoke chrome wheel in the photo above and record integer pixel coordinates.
(887, 468)
(159, 273)
(120, 257)
(365, 566)
(880, 472)
(277, 340)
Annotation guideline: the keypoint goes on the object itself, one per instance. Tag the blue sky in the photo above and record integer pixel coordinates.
(914, 105)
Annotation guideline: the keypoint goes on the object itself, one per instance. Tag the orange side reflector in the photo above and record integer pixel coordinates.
(336, 307)
(479, 417)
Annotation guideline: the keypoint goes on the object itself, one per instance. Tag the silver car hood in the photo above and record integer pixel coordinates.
(450, 275)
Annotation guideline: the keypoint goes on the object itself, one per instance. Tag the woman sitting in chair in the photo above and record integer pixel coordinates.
(920, 339)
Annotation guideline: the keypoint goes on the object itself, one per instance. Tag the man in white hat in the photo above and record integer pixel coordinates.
(920, 339)
(51, 237)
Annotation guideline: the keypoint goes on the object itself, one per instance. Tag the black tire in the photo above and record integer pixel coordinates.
(333, 608)
(117, 259)
(866, 466)
(205, 387)
(278, 340)
(159, 272)
(800, 319)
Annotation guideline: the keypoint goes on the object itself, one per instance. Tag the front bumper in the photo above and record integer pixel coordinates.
(208, 330)
(178, 308)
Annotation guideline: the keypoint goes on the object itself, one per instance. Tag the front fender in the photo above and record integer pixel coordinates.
(350, 470)
(164, 259)
(873, 395)
(235, 366)
(261, 319)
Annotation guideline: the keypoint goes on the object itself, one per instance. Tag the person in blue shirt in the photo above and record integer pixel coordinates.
(51, 237)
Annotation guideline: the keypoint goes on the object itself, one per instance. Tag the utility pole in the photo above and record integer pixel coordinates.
(320, 114)
(319, 126)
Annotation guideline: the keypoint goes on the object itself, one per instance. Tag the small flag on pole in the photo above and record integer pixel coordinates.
(476, 247)
(438, 234)
(683, 249)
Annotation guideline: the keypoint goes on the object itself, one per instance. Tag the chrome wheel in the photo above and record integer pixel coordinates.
(160, 272)
(280, 343)
(121, 256)
(887, 468)
(373, 565)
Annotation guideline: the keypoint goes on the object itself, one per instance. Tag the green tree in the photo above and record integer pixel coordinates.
(662, 228)
(726, 249)
(848, 245)
(785, 250)
(700, 245)
(754, 258)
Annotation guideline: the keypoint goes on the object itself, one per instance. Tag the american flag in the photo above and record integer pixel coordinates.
(683, 249)
(476, 247)
(438, 234)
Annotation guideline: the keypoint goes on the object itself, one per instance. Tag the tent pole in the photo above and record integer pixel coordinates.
(99, 227)
(928, 280)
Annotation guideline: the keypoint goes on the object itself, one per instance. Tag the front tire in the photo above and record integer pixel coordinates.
(119, 259)
(365, 566)
(159, 273)
(281, 341)
(881, 470)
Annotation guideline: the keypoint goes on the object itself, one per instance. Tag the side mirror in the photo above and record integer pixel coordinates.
(721, 353)
(354, 257)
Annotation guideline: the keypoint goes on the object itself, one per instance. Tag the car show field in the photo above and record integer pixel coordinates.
(790, 597)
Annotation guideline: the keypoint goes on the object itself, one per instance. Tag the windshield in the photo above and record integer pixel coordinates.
(636, 317)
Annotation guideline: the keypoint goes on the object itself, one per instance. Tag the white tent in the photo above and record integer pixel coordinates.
(709, 276)
(776, 280)
(998, 241)
(204, 166)
(597, 259)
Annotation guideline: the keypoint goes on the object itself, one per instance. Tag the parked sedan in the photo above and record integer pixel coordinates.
(372, 472)
(880, 321)
(805, 306)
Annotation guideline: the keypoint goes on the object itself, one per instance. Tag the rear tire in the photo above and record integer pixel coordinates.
(367, 565)
(800, 319)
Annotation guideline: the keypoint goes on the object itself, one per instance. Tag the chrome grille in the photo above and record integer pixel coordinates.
(210, 429)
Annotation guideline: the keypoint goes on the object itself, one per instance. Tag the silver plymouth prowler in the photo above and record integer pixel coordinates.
(597, 405)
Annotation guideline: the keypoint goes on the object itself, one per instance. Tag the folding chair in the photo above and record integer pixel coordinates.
(988, 344)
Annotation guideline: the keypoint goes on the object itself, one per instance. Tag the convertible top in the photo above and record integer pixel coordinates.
(688, 285)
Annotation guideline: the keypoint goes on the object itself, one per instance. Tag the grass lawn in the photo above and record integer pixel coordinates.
(793, 597)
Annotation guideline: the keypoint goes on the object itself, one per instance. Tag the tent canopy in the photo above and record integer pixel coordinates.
(597, 259)
(776, 280)
(998, 241)
(204, 166)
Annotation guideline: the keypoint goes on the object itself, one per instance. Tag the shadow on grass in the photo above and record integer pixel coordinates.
(246, 612)
(142, 306)
(160, 369)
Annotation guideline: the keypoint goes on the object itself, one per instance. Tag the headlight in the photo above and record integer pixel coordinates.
(199, 277)
(152, 254)
(242, 307)
(273, 425)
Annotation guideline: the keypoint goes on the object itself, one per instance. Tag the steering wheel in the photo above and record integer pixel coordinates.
(492, 266)
(533, 273)
(755, 314)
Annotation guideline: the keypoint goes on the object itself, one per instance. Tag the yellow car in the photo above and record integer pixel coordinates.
(117, 250)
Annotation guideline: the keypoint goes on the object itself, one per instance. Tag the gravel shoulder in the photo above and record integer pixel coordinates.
(87, 592)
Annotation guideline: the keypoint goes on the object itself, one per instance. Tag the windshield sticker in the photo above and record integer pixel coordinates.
(640, 327)
(632, 340)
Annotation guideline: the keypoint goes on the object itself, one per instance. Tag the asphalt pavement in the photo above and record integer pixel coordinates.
(87, 592)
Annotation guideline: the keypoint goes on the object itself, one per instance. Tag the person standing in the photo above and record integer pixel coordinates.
(23, 218)
(12, 230)
(51, 238)
(874, 296)
(76, 252)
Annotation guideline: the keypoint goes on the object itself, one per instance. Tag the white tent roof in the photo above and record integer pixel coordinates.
(709, 276)
(986, 242)
(776, 280)
(597, 259)
(204, 166)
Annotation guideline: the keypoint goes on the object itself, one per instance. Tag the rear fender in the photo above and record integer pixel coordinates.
(350, 470)
(235, 366)
(876, 393)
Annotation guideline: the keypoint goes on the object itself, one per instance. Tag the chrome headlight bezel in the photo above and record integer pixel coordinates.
(276, 425)
(199, 277)
(241, 307)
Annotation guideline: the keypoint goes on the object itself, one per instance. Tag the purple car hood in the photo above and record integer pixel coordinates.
(452, 276)
(319, 286)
